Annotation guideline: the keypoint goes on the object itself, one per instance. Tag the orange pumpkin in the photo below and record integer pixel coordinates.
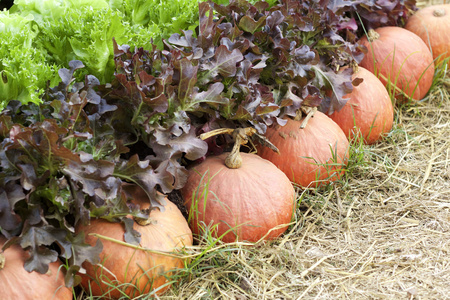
(126, 270)
(17, 283)
(368, 109)
(432, 25)
(311, 156)
(398, 56)
(245, 203)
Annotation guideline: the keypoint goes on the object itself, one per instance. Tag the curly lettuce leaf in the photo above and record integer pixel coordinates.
(23, 69)
(53, 9)
(86, 34)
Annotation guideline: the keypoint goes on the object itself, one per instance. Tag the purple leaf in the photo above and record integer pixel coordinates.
(186, 40)
(340, 83)
(248, 24)
(223, 64)
(84, 252)
(350, 24)
(142, 174)
(89, 174)
(187, 143)
(34, 238)
(186, 73)
(131, 236)
(212, 95)
(8, 219)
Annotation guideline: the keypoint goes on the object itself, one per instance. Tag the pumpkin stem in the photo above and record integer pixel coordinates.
(2, 260)
(234, 159)
(144, 221)
(373, 35)
(240, 135)
(214, 132)
(439, 12)
(310, 111)
(354, 65)
(298, 115)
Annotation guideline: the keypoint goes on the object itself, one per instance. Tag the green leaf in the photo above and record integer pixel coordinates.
(23, 69)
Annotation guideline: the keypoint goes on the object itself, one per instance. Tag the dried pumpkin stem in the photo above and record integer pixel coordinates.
(144, 221)
(240, 135)
(2, 260)
(310, 111)
(212, 133)
(298, 115)
(439, 12)
(248, 131)
(354, 65)
(234, 159)
(373, 35)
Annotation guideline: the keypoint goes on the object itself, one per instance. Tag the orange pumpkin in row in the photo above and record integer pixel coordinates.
(125, 270)
(369, 112)
(239, 196)
(17, 283)
(432, 25)
(401, 60)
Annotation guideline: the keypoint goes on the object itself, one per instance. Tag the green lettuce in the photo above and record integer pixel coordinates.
(86, 34)
(169, 16)
(23, 68)
(53, 9)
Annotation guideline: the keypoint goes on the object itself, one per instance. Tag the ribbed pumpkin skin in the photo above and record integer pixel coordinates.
(369, 109)
(168, 231)
(16, 283)
(257, 196)
(402, 57)
(432, 25)
(297, 147)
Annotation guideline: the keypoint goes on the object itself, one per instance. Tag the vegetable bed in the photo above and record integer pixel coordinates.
(238, 149)
(382, 233)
